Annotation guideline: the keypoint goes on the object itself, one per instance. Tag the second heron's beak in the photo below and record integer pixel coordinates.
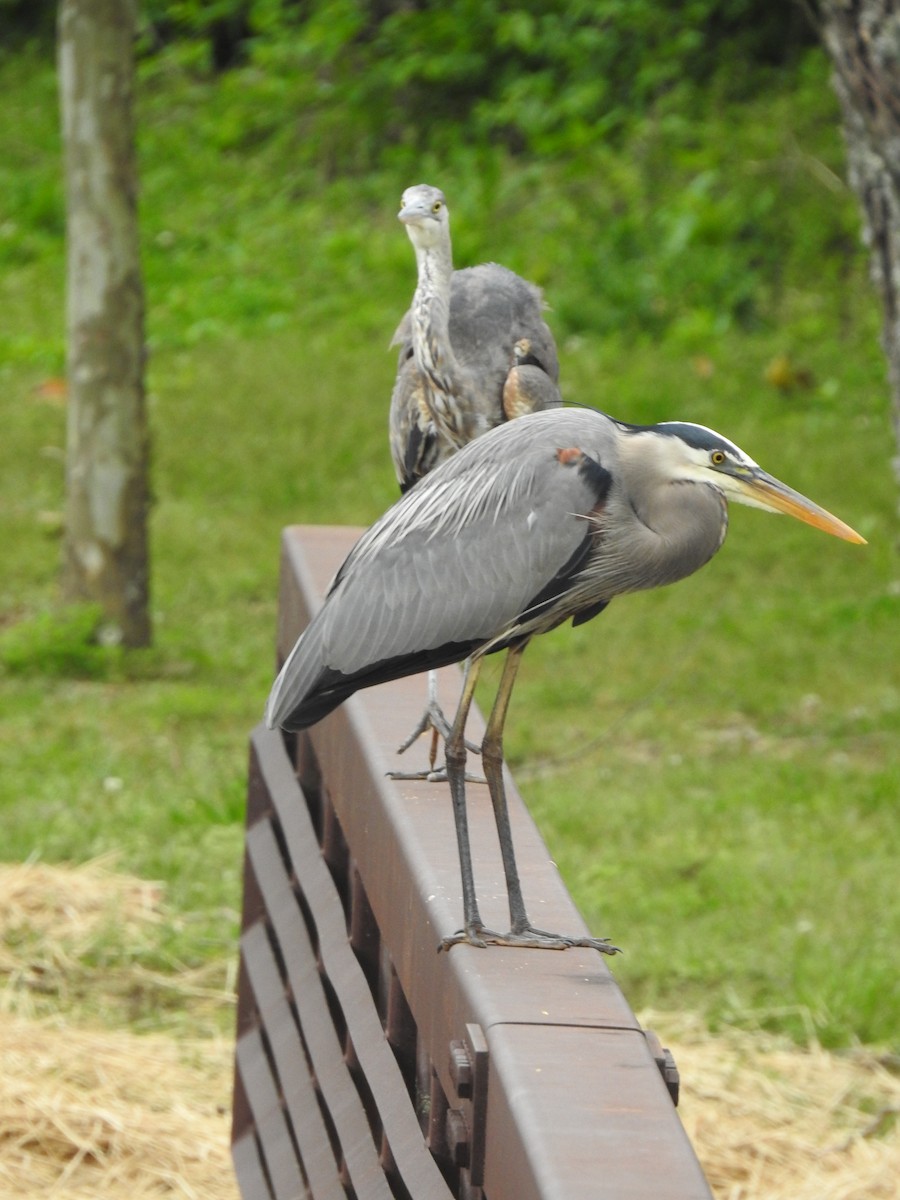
(413, 210)
(761, 490)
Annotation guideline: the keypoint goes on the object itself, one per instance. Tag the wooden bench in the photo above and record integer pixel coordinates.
(368, 1064)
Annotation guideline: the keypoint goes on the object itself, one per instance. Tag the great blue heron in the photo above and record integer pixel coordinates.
(548, 517)
(475, 351)
(469, 337)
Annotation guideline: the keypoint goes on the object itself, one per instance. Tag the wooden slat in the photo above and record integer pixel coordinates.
(613, 1113)
(248, 1169)
(335, 1082)
(293, 1071)
(271, 1126)
(344, 973)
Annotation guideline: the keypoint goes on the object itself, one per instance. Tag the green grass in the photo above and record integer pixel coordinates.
(714, 766)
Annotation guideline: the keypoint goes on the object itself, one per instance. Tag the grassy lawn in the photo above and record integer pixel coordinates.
(714, 766)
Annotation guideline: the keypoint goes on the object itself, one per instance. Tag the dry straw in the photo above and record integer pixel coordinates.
(52, 917)
(771, 1122)
(90, 1114)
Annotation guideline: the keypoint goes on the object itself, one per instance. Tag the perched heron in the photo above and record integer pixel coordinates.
(547, 517)
(475, 351)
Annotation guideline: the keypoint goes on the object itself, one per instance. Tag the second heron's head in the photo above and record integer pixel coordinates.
(423, 210)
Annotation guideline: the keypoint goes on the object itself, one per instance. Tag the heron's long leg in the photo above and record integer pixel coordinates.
(492, 762)
(474, 932)
(456, 774)
(522, 932)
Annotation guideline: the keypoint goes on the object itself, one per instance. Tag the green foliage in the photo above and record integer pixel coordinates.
(64, 643)
(22, 21)
(32, 218)
(689, 228)
(546, 78)
(541, 78)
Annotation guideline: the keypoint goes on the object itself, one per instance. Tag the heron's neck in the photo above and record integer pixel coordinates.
(689, 521)
(448, 394)
(431, 313)
(681, 523)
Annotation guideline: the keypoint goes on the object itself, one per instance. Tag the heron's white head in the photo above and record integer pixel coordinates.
(424, 212)
(695, 454)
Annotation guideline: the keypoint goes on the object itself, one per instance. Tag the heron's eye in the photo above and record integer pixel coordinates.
(717, 458)
(436, 207)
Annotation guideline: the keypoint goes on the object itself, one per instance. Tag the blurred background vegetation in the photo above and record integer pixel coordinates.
(714, 766)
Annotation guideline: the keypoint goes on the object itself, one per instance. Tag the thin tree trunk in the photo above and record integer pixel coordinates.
(863, 39)
(106, 555)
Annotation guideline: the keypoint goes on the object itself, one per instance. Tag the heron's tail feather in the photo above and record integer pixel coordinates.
(308, 688)
(295, 700)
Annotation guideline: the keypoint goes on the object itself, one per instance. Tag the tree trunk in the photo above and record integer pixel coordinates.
(863, 39)
(106, 556)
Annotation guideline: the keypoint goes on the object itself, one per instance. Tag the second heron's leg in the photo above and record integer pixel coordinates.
(433, 718)
(522, 932)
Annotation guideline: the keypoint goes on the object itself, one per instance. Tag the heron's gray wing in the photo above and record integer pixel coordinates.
(491, 308)
(450, 567)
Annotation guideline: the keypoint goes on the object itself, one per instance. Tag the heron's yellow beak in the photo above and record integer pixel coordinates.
(762, 490)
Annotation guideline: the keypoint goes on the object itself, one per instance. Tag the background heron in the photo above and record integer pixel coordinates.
(475, 351)
(547, 517)
(464, 340)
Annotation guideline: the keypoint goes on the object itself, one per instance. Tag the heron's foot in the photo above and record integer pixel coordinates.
(526, 937)
(433, 718)
(435, 775)
(474, 934)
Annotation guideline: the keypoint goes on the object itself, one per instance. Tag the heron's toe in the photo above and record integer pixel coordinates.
(540, 939)
(476, 936)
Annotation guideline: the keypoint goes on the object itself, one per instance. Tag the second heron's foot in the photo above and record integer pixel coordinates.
(528, 938)
(433, 719)
(474, 934)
